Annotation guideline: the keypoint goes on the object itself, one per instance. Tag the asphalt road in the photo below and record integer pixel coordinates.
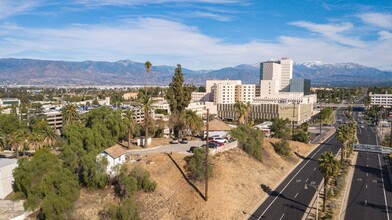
(290, 199)
(370, 194)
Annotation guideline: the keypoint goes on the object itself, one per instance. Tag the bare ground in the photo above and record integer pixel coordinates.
(234, 190)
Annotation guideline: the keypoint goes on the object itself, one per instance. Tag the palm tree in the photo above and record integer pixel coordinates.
(329, 168)
(3, 139)
(193, 122)
(242, 112)
(35, 139)
(49, 135)
(146, 102)
(148, 66)
(17, 140)
(69, 114)
(342, 138)
(130, 124)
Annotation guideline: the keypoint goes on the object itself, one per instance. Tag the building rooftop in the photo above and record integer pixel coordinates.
(115, 151)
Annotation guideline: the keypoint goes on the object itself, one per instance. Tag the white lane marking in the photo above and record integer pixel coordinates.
(296, 195)
(383, 188)
(314, 169)
(293, 178)
(366, 186)
(282, 216)
(365, 202)
(367, 165)
(306, 180)
(367, 174)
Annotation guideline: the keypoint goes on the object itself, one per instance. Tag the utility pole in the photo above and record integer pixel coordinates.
(206, 165)
(292, 131)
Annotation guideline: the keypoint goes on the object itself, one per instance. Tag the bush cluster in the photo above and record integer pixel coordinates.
(249, 140)
(282, 148)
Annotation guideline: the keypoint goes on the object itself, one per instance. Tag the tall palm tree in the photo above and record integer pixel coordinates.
(329, 168)
(130, 122)
(193, 122)
(146, 102)
(148, 66)
(342, 136)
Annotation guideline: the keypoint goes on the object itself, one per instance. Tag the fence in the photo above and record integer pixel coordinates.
(223, 148)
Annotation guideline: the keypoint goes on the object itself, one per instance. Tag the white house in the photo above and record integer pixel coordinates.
(115, 156)
(6, 177)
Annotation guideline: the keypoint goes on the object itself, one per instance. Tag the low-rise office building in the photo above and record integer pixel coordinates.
(384, 100)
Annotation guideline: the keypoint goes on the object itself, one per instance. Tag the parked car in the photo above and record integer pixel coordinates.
(184, 141)
(218, 139)
(174, 141)
(219, 143)
(211, 145)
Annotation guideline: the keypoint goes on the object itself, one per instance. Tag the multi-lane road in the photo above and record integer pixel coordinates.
(370, 194)
(290, 199)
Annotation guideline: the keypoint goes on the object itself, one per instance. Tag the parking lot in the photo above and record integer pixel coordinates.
(178, 148)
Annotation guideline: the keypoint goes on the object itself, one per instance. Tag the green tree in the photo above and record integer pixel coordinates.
(329, 168)
(178, 95)
(249, 140)
(196, 165)
(70, 114)
(46, 184)
(148, 66)
(17, 141)
(301, 136)
(282, 148)
(126, 210)
(193, 122)
(279, 128)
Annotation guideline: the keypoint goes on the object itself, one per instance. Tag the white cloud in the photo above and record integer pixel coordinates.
(385, 35)
(332, 32)
(168, 42)
(213, 16)
(12, 7)
(377, 19)
(141, 2)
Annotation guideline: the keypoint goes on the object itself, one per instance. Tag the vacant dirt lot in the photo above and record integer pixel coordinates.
(234, 191)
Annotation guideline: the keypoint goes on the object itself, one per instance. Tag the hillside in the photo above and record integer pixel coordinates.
(127, 72)
(234, 190)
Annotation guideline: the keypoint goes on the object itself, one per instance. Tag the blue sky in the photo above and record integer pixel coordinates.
(199, 34)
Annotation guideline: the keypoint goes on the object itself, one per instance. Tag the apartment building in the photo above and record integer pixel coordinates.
(269, 87)
(245, 92)
(384, 100)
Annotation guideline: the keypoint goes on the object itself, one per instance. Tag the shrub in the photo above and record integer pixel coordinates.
(249, 140)
(302, 136)
(127, 210)
(196, 165)
(282, 148)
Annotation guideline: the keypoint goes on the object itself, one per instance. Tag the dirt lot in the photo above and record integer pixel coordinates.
(234, 191)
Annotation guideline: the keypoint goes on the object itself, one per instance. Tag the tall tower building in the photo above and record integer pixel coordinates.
(286, 74)
(270, 70)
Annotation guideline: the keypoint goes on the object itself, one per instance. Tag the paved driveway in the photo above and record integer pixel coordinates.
(178, 148)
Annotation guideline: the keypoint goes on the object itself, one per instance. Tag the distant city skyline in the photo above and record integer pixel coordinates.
(199, 34)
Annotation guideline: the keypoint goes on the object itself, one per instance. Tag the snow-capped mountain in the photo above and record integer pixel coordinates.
(127, 72)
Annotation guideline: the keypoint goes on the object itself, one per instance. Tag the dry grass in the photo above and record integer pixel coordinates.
(234, 191)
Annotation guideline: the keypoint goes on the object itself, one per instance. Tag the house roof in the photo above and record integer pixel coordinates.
(216, 125)
(115, 151)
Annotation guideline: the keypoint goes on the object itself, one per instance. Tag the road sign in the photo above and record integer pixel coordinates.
(372, 148)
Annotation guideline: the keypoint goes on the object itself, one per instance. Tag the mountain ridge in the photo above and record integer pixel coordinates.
(127, 72)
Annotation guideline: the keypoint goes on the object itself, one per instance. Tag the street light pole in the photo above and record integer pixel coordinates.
(317, 197)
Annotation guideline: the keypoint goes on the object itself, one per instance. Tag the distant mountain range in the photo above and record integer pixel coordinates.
(127, 72)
